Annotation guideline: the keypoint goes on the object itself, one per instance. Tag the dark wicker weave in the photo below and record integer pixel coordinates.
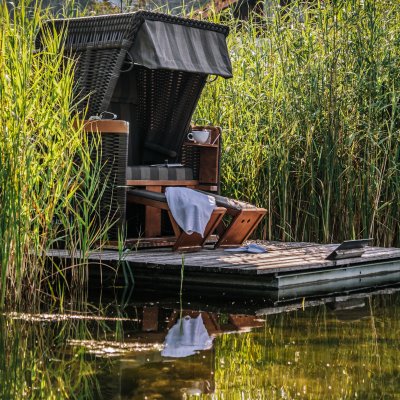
(164, 124)
(100, 45)
(113, 158)
(159, 105)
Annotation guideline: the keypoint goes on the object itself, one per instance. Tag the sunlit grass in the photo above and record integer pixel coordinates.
(311, 119)
(48, 184)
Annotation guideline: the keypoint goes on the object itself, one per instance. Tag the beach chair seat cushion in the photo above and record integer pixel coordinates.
(157, 173)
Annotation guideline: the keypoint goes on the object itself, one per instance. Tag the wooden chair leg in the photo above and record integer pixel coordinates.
(194, 241)
(152, 217)
(242, 226)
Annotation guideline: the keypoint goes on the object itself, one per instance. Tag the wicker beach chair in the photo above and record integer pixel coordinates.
(149, 69)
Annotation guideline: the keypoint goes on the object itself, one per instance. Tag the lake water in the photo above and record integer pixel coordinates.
(149, 348)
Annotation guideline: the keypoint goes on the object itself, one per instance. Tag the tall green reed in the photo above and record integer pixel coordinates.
(45, 194)
(311, 119)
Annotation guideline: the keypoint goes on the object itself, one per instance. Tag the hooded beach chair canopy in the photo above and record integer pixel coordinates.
(149, 69)
(161, 45)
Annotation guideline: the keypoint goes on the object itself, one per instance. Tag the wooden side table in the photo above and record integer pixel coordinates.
(208, 162)
(204, 159)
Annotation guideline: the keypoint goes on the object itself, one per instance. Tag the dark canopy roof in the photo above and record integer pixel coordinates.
(160, 45)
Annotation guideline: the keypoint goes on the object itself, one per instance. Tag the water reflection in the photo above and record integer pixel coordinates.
(342, 348)
(36, 361)
(350, 309)
(186, 337)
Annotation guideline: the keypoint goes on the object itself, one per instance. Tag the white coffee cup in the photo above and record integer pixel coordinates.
(201, 137)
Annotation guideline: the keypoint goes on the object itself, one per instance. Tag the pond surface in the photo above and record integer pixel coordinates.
(343, 348)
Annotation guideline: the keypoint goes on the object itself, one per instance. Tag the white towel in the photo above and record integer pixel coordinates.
(191, 210)
(186, 337)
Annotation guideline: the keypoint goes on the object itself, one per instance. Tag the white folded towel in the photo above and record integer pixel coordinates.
(191, 210)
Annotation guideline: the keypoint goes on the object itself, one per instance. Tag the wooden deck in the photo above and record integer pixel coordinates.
(287, 270)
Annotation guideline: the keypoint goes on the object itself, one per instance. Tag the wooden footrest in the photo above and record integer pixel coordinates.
(245, 219)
